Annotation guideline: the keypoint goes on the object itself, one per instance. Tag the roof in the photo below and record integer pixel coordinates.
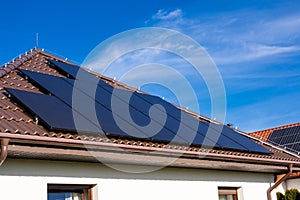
(282, 130)
(31, 140)
(264, 134)
(286, 136)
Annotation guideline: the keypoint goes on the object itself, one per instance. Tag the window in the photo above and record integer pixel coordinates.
(228, 193)
(69, 192)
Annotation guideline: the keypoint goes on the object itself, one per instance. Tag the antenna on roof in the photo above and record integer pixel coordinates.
(37, 40)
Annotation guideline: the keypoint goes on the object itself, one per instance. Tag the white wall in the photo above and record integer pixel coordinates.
(28, 179)
(293, 183)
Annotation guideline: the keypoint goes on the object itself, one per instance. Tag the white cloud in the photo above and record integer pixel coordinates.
(240, 36)
(259, 51)
(253, 52)
(239, 43)
(285, 28)
(167, 15)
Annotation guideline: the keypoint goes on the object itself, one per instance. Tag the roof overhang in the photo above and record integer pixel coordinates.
(61, 149)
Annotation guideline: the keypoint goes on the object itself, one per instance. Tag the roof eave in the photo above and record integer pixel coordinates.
(139, 159)
(34, 147)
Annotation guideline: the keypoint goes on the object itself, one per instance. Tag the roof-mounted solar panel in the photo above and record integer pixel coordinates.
(143, 102)
(67, 69)
(242, 140)
(179, 126)
(287, 137)
(53, 85)
(63, 89)
(52, 112)
(76, 72)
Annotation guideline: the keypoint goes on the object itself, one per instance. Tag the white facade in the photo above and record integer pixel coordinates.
(28, 179)
(293, 183)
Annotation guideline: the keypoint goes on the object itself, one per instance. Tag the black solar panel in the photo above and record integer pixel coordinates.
(142, 103)
(287, 137)
(51, 111)
(67, 69)
(242, 140)
(63, 89)
(178, 127)
(52, 84)
(75, 72)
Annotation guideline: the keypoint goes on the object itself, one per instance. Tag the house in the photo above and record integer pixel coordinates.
(52, 150)
(287, 137)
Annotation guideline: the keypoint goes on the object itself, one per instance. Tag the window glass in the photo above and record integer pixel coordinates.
(64, 196)
(226, 197)
(69, 192)
(228, 193)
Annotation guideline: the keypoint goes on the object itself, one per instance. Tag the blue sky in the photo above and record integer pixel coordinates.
(255, 44)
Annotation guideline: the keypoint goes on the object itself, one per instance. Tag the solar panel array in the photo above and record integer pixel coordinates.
(110, 111)
(287, 137)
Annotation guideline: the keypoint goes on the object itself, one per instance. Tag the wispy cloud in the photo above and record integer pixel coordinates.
(246, 46)
(259, 51)
(165, 15)
(253, 52)
(256, 52)
(167, 18)
(238, 37)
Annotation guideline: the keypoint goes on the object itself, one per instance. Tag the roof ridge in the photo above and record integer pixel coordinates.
(16, 62)
(22, 58)
(57, 56)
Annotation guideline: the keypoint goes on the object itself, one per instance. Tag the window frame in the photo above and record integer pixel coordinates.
(84, 189)
(229, 191)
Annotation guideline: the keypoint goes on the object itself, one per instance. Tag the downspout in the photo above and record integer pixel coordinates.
(279, 181)
(4, 149)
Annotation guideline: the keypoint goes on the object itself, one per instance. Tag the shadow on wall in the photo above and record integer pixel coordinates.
(20, 167)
